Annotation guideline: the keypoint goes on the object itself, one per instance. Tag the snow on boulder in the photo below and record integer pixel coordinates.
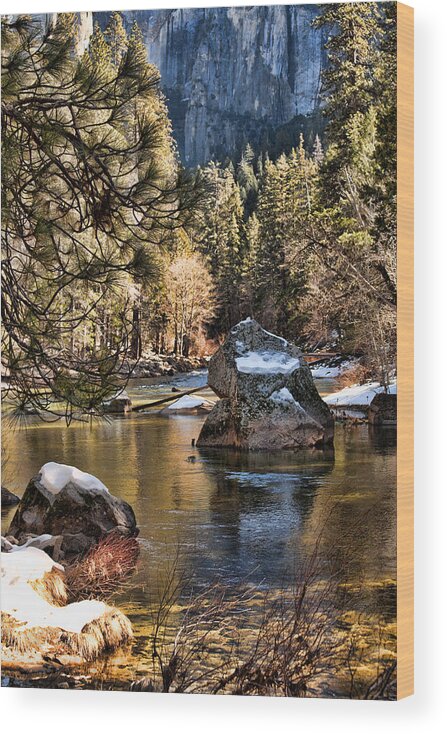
(188, 404)
(55, 477)
(359, 396)
(268, 398)
(64, 501)
(260, 363)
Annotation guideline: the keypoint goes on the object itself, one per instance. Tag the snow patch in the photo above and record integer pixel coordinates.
(39, 540)
(281, 339)
(284, 396)
(266, 362)
(358, 394)
(187, 401)
(323, 370)
(55, 477)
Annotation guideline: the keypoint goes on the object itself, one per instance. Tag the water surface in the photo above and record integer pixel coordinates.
(238, 517)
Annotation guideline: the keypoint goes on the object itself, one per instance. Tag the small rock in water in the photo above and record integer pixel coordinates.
(64, 501)
(383, 410)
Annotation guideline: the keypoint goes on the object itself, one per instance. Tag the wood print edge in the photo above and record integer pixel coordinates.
(405, 353)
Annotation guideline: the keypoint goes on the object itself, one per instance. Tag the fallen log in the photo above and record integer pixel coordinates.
(173, 396)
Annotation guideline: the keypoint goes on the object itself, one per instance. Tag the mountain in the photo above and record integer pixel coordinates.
(232, 76)
(236, 75)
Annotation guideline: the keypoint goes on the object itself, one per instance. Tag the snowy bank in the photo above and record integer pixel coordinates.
(359, 396)
(37, 620)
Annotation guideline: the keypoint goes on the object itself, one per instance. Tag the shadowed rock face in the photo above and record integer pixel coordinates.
(268, 398)
(81, 516)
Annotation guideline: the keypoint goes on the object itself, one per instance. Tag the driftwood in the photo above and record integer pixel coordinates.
(174, 396)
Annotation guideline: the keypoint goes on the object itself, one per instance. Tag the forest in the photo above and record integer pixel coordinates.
(112, 251)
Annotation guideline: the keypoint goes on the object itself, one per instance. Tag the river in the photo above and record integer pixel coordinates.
(241, 518)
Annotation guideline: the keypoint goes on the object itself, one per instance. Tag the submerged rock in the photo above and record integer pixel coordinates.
(9, 498)
(64, 501)
(268, 398)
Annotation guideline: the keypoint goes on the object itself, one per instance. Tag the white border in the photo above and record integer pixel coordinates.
(71, 711)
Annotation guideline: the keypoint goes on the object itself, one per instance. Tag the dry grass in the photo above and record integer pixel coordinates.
(102, 635)
(103, 569)
(98, 574)
(21, 639)
(356, 375)
(52, 588)
(208, 644)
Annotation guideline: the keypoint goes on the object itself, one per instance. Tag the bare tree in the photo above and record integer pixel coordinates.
(191, 299)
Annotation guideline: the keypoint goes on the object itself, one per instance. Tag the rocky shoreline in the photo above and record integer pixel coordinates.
(161, 365)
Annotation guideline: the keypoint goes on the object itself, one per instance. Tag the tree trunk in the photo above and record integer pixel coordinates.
(135, 348)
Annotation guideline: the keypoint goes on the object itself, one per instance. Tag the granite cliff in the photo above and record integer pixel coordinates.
(233, 75)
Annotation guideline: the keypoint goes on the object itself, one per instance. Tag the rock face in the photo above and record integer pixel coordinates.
(235, 75)
(231, 76)
(268, 398)
(70, 504)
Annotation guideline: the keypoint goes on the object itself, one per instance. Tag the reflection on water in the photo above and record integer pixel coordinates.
(231, 515)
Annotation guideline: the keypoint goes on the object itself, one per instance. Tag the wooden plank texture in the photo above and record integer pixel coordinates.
(405, 354)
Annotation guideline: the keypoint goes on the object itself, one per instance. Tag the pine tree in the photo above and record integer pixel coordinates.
(246, 178)
(88, 203)
(222, 239)
(348, 83)
(317, 152)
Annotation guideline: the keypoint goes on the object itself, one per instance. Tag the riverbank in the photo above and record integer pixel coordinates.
(166, 365)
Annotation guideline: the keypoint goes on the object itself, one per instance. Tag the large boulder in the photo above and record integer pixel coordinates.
(268, 398)
(64, 501)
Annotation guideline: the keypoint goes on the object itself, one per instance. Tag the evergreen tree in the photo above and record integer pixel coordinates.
(222, 239)
(246, 178)
(116, 37)
(286, 201)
